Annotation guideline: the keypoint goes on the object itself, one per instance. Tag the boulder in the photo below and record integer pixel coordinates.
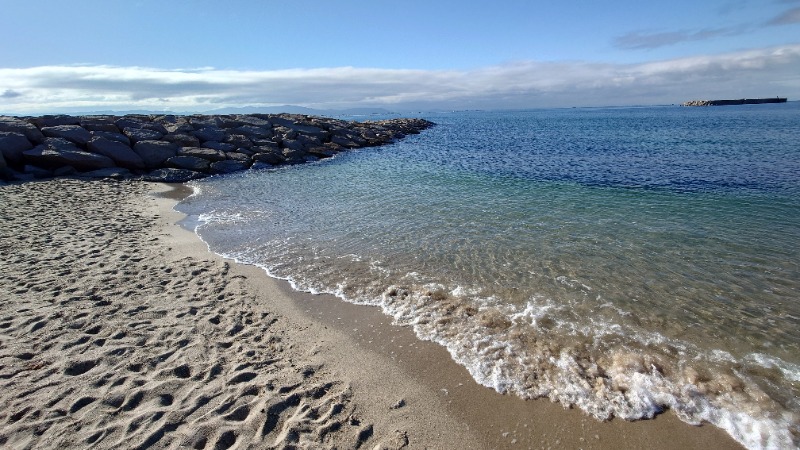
(170, 175)
(113, 136)
(252, 131)
(155, 153)
(293, 144)
(221, 146)
(182, 139)
(123, 155)
(239, 140)
(14, 125)
(12, 144)
(321, 151)
(54, 157)
(205, 153)
(67, 171)
(72, 133)
(210, 134)
(189, 162)
(293, 156)
(228, 166)
(258, 165)
(99, 124)
(256, 121)
(37, 172)
(54, 121)
(306, 130)
(116, 173)
(239, 157)
(269, 158)
(141, 134)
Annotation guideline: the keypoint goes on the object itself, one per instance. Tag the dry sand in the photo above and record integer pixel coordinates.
(118, 329)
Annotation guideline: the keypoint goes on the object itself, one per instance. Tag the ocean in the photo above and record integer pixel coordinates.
(623, 261)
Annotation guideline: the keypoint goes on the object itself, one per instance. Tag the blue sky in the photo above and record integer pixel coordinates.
(184, 55)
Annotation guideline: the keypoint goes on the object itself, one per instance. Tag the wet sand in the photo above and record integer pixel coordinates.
(118, 329)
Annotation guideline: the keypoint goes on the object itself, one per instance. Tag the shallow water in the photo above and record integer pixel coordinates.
(622, 260)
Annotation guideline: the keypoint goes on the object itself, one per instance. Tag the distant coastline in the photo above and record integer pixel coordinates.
(741, 101)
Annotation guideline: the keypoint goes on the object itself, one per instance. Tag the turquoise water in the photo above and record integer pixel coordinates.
(621, 260)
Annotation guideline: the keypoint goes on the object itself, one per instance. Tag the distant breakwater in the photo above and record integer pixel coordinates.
(172, 148)
(741, 101)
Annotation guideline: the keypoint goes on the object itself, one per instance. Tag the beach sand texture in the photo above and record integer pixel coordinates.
(118, 330)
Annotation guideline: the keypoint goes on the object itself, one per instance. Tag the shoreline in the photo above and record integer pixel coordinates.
(119, 328)
(502, 421)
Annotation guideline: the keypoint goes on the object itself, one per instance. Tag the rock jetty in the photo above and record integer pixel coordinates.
(741, 101)
(172, 148)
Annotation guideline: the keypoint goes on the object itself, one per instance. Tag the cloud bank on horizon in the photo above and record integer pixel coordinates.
(751, 73)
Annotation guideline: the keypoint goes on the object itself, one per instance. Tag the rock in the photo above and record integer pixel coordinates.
(65, 171)
(55, 157)
(258, 165)
(252, 131)
(123, 155)
(189, 162)
(116, 173)
(37, 172)
(55, 121)
(310, 131)
(141, 134)
(210, 134)
(344, 141)
(182, 139)
(12, 144)
(170, 175)
(223, 147)
(294, 156)
(239, 140)
(228, 166)
(239, 157)
(398, 404)
(255, 121)
(321, 151)
(72, 133)
(99, 124)
(205, 153)
(119, 137)
(155, 153)
(14, 125)
(293, 144)
(269, 158)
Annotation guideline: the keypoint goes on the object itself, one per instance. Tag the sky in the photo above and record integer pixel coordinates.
(202, 55)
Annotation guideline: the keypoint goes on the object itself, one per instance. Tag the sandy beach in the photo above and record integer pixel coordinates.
(119, 329)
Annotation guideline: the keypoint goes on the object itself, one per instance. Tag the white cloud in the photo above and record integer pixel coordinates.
(758, 72)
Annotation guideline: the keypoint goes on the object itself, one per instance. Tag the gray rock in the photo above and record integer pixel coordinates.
(38, 172)
(170, 175)
(321, 151)
(123, 155)
(65, 171)
(55, 157)
(12, 145)
(305, 130)
(72, 133)
(54, 121)
(189, 162)
(256, 121)
(293, 144)
(210, 134)
(182, 139)
(252, 131)
(293, 156)
(228, 166)
(119, 137)
(205, 153)
(284, 133)
(117, 173)
(3, 163)
(99, 124)
(258, 165)
(155, 153)
(269, 158)
(223, 147)
(130, 122)
(141, 134)
(344, 141)
(239, 141)
(14, 125)
(239, 157)
(309, 141)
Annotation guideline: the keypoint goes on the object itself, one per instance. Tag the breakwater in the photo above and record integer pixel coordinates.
(741, 101)
(172, 148)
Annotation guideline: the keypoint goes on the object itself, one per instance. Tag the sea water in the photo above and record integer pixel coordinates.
(624, 261)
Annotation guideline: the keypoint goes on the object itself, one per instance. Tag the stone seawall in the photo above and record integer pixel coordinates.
(741, 101)
(171, 148)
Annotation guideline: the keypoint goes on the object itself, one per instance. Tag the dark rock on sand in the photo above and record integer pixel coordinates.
(12, 144)
(189, 162)
(170, 175)
(53, 157)
(205, 153)
(72, 133)
(155, 153)
(228, 166)
(14, 125)
(123, 155)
